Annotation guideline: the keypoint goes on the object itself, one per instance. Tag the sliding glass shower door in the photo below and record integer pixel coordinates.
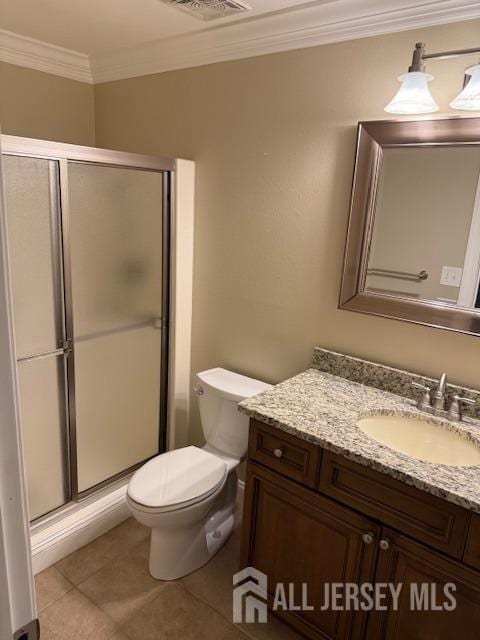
(33, 224)
(88, 244)
(116, 263)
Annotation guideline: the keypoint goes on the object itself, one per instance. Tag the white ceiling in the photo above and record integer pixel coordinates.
(99, 26)
(101, 40)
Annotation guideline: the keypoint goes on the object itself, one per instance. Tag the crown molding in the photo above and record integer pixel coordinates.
(307, 26)
(42, 56)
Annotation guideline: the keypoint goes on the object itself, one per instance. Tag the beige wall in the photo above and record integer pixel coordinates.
(34, 104)
(274, 140)
(424, 208)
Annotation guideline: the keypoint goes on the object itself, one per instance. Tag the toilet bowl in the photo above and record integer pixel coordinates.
(187, 496)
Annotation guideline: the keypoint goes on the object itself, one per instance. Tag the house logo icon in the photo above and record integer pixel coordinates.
(249, 596)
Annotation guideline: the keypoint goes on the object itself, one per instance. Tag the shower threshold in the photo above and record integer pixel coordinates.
(59, 533)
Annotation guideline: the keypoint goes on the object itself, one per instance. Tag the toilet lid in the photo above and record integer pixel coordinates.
(183, 475)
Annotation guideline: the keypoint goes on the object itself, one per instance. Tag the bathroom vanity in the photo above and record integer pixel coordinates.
(326, 503)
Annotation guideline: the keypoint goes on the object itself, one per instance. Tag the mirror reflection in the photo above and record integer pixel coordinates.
(425, 241)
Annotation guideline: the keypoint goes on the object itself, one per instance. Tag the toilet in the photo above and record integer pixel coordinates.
(187, 496)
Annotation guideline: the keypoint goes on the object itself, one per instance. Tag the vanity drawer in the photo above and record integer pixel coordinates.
(472, 549)
(436, 522)
(289, 455)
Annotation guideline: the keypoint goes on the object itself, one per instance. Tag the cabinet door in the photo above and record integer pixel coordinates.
(294, 535)
(410, 564)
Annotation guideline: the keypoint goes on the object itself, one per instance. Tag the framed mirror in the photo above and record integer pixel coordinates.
(413, 242)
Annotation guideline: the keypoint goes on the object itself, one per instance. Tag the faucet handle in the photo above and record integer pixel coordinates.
(425, 402)
(455, 410)
(417, 385)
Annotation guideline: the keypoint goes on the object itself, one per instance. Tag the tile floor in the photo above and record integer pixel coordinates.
(104, 592)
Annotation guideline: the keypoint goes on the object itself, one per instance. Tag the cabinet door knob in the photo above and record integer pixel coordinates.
(278, 453)
(384, 544)
(367, 538)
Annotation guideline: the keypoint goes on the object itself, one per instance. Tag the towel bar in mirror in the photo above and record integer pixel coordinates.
(413, 242)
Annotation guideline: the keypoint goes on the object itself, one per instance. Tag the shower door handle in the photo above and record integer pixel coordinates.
(160, 323)
(67, 348)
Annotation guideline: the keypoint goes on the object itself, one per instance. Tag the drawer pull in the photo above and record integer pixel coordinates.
(367, 538)
(384, 544)
(295, 458)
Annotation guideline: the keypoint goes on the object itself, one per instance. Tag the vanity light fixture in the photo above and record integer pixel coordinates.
(469, 98)
(414, 96)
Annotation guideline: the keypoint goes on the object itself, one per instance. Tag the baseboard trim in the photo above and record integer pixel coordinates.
(80, 525)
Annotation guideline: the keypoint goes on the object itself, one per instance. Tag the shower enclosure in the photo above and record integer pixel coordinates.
(88, 238)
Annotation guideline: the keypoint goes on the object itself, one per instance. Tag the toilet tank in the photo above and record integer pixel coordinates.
(219, 391)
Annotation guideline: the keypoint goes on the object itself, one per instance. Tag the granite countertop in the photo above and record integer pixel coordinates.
(324, 409)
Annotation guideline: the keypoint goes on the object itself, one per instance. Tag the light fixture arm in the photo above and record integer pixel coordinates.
(419, 55)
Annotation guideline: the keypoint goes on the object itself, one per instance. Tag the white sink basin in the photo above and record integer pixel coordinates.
(422, 440)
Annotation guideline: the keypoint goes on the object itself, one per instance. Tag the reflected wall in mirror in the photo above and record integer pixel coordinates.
(425, 238)
(413, 244)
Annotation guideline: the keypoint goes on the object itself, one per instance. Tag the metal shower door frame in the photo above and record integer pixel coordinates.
(64, 153)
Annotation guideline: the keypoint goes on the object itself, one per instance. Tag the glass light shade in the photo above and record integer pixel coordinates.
(469, 98)
(414, 95)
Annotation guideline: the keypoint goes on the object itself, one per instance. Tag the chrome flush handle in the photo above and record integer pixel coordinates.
(198, 389)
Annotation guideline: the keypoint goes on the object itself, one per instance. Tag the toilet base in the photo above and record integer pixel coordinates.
(178, 550)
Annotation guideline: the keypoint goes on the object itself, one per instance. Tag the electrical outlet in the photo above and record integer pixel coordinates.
(451, 276)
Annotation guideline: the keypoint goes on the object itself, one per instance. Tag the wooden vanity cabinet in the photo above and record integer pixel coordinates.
(472, 548)
(293, 458)
(439, 524)
(342, 522)
(410, 563)
(298, 536)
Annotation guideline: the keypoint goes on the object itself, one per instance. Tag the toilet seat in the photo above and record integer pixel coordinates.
(176, 479)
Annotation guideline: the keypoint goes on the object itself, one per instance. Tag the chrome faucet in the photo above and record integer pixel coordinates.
(439, 396)
(437, 404)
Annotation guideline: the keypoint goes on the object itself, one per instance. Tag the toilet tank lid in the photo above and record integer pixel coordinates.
(233, 386)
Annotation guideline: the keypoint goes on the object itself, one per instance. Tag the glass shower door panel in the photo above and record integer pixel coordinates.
(33, 227)
(43, 419)
(116, 264)
(118, 390)
(33, 236)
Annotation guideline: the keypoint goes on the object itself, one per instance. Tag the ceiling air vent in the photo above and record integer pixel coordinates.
(209, 9)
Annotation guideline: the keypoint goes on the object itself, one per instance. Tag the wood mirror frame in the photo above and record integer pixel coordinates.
(373, 138)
